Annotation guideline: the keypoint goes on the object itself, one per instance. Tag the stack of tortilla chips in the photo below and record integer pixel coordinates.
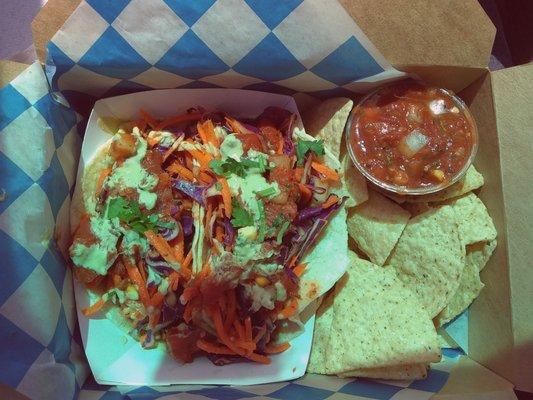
(414, 266)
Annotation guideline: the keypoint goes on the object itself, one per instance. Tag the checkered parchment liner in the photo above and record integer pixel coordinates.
(40, 348)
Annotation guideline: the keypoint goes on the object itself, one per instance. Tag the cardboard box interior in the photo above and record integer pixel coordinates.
(449, 44)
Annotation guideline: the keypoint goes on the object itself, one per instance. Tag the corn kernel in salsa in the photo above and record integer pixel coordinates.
(412, 136)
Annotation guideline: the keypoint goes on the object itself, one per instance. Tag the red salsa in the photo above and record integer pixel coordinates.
(412, 136)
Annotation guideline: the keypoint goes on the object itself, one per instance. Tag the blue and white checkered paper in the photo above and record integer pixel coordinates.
(108, 48)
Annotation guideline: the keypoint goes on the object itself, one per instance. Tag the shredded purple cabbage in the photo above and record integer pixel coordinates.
(170, 233)
(187, 224)
(309, 212)
(229, 236)
(194, 191)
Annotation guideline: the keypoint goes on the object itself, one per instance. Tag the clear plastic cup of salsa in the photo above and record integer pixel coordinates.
(410, 138)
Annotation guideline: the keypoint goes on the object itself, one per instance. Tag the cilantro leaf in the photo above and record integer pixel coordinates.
(130, 213)
(240, 217)
(231, 166)
(268, 192)
(303, 146)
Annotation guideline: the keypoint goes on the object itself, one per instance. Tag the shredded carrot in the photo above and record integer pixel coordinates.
(292, 261)
(298, 173)
(330, 201)
(172, 148)
(174, 280)
(206, 130)
(326, 171)
(152, 141)
(226, 196)
(178, 120)
(161, 245)
(188, 259)
(202, 157)
(213, 348)
(204, 177)
(153, 319)
(142, 270)
(230, 309)
(219, 234)
(157, 299)
(184, 172)
(135, 276)
(239, 329)
(290, 308)
(151, 121)
(305, 193)
(259, 334)
(248, 328)
(94, 308)
(100, 183)
(179, 247)
(299, 269)
(280, 147)
(187, 313)
(276, 348)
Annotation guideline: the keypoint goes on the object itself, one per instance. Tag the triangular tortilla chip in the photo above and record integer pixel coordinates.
(324, 317)
(353, 183)
(475, 223)
(471, 181)
(327, 121)
(429, 257)
(376, 225)
(470, 284)
(377, 322)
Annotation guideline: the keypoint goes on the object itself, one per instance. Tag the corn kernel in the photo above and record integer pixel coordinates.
(262, 281)
(438, 174)
(248, 233)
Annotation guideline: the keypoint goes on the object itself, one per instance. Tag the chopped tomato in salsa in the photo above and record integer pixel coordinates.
(412, 136)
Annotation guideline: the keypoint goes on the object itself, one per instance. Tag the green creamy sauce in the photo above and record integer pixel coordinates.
(99, 256)
(231, 147)
(131, 174)
(247, 187)
(132, 239)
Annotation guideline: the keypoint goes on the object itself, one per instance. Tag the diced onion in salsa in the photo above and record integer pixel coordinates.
(412, 136)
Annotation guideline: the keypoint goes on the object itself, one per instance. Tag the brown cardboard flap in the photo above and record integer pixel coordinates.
(48, 21)
(421, 32)
(513, 91)
(490, 333)
(9, 71)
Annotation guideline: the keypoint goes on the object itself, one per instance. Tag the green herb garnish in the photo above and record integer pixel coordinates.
(262, 221)
(268, 192)
(240, 217)
(303, 146)
(130, 213)
(282, 230)
(241, 168)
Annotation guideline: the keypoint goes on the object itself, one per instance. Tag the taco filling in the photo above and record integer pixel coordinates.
(197, 227)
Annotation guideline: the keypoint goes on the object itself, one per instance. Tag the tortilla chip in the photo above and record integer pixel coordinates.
(445, 340)
(376, 226)
(475, 223)
(402, 372)
(479, 253)
(471, 181)
(416, 208)
(327, 120)
(429, 257)
(377, 323)
(470, 284)
(324, 317)
(353, 183)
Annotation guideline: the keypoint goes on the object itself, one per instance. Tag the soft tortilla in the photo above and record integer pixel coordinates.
(376, 226)
(401, 372)
(470, 284)
(429, 257)
(471, 181)
(377, 323)
(327, 120)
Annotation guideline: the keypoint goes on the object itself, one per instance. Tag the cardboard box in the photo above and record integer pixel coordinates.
(448, 44)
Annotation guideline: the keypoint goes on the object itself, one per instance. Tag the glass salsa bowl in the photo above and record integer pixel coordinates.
(411, 139)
